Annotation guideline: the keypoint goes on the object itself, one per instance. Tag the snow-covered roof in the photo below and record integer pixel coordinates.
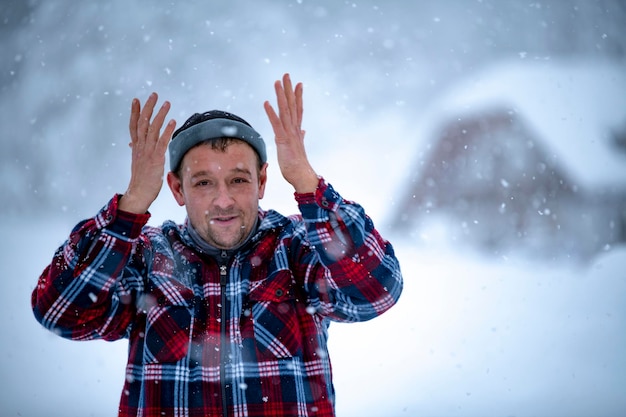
(573, 106)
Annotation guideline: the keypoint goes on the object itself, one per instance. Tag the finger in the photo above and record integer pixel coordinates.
(281, 102)
(274, 119)
(299, 104)
(157, 123)
(145, 116)
(166, 136)
(269, 110)
(288, 88)
(135, 108)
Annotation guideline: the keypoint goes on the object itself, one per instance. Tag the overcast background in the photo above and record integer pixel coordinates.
(472, 335)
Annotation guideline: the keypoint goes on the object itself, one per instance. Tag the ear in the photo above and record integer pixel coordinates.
(176, 186)
(262, 180)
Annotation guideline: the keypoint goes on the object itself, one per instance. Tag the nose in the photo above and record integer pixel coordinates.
(223, 198)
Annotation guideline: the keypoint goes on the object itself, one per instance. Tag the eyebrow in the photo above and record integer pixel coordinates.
(235, 170)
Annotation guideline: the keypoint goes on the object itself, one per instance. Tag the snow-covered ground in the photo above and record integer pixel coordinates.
(470, 337)
(479, 337)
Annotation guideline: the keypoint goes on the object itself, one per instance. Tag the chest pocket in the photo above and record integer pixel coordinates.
(272, 309)
(168, 325)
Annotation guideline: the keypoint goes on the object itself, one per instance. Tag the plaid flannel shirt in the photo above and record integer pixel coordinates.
(241, 337)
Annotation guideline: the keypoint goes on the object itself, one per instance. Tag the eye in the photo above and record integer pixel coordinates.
(240, 180)
(202, 183)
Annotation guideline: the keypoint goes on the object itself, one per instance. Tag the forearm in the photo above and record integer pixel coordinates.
(360, 278)
(79, 295)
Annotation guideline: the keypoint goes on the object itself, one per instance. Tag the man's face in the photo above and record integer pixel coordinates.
(221, 191)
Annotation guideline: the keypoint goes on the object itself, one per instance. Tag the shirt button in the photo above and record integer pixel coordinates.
(279, 292)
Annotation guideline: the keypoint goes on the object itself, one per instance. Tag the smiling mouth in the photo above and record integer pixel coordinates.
(222, 219)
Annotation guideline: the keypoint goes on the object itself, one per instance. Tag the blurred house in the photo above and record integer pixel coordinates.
(525, 158)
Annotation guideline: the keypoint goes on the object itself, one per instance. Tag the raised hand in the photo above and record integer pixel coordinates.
(289, 136)
(148, 154)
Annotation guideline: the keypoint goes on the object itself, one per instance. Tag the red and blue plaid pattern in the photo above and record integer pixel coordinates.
(254, 347)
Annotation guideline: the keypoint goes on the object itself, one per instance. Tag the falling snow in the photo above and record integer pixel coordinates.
(474, 333)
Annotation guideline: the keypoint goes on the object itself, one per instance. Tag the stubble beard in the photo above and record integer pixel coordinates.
(225, 238)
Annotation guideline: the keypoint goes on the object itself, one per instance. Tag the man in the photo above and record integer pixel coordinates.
(226, 314)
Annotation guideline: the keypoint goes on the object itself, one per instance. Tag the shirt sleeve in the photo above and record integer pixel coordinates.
(352, 273)
(88, 289)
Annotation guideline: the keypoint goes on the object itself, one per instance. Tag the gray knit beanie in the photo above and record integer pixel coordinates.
(214, 124)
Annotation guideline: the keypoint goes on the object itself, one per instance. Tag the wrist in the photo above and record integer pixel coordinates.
(129, 202)
(307, 183)
(122, 223)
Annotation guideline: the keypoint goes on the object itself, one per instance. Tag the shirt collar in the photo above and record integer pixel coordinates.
(209, 249)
